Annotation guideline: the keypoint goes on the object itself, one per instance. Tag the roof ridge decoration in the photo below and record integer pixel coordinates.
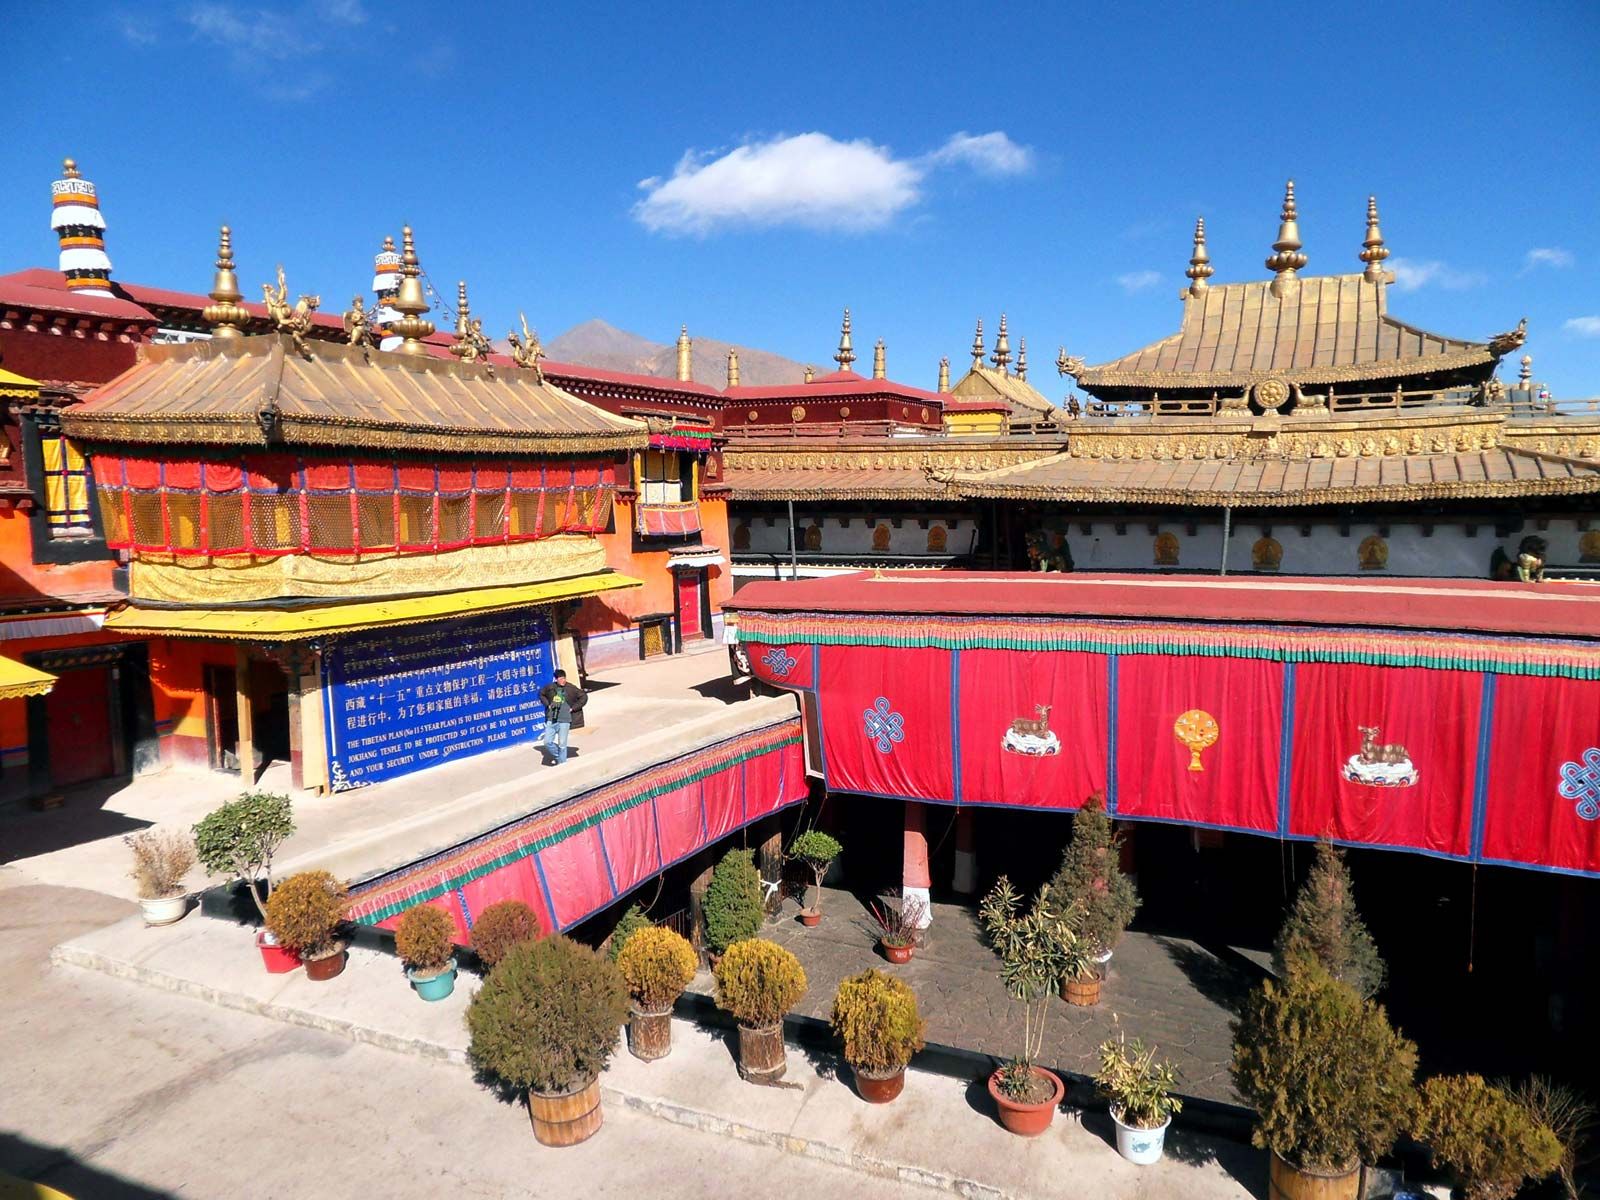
(75, 217)
(733, 367)
(977, 345)
(409, 301)
(1286, 259)
(225, 314)
(295, 319)
(1373, 251)
(1200, 268)
(1022, 359)
(527, 350)
(847, 353)
(471, 344)
(944, 375)
(685, 349)
(1001, 357)
(880, 365)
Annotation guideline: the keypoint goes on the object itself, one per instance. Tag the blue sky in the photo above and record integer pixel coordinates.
(925, 165)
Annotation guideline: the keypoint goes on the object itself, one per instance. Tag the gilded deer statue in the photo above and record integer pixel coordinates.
(1372, 752)
(1039, 728)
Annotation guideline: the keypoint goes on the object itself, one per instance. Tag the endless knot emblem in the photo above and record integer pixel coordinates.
(884, 728)
(779, 660)
(1581, 782)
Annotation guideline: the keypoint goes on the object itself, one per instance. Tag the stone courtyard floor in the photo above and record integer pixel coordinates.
(1175, 995)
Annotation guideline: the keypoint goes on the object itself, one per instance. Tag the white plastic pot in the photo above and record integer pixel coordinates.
(1142, 1146)
(164, 910)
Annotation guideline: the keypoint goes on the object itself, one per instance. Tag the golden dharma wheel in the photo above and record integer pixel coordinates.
(1198, 730)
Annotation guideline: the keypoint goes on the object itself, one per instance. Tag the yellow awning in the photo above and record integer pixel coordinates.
(18, 680)
(20, 386)
(261, 624)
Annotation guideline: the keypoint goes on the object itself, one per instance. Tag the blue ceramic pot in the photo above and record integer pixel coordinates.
(436, 988)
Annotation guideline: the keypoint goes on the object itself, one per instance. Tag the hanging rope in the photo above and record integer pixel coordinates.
(1472, 920)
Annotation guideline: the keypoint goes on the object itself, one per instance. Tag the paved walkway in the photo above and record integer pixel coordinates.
(1175, 995)
(638, 714)
(940, 1133)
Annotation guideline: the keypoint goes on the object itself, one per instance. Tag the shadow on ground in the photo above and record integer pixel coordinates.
(61, 1169)
(82, 817)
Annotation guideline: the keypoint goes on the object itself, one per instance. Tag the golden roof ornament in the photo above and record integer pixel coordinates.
(880, 364)
(733, 367)
(1069, 364)
(977, 345)
(225, 314)
(470, 344)
(1001, 357)
(1022, 359)
(1286, 258)
(293, 320)
(944, 374)
(847, 353)
(1502, 344)
(685, 355)
(358, 323)
(1525, 372)
(811, 373)
(1200, 268)
(526, 351)
(409, 301)
(1373, 251)
(69, 168)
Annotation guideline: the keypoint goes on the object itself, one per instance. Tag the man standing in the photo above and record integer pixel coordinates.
(563, 702)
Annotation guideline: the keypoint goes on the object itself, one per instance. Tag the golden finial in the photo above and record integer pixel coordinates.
(409, 301)
(733, 367)
(1525, 373)
(1200, 268)
(685, 355)
(224, 314)
(1286, 258)
(1373, 251)
(811, 373)
(471, 344)
(69, 168)
(1022, 359)
(944, 374)
(977, 345)
(847, 354)
(880, 365)
(1001, 357)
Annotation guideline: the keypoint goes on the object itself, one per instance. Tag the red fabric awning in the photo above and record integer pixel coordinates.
(662, 520)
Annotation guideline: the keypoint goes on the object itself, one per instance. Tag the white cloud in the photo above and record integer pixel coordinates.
(342, 12)
(137, 30)
(1547, 256)
(1138, 281)
(810, 180)
(1583, 326)
(1412, 274)
(247, 35)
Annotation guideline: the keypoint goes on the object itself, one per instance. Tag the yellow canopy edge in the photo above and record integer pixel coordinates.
(18, 680)
(20, 386)
(292, 624)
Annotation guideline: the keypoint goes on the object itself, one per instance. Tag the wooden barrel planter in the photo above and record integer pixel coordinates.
(566, 1118)
(761, 1053)
(649, 1033)
(1289, 1182)
(1081, 992)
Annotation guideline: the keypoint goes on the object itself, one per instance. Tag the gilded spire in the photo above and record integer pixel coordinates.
(1001, 357)
(1200, 268)
(1525, 373)
(69, 168)
(225, 314)
(847, 353)
(471, 343)
(733, 367)
(1286, 258)
(880, 365)
(977, 345)
(409, 301)
(1022, 359)
(685, 355)
(1373, 251)
(944, 374)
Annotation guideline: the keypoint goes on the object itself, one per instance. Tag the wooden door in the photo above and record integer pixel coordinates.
(691, 624)
(79, 726)
(222, 716)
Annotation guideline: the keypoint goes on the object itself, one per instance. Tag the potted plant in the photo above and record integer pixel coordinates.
(899, 923)
(876, 1017)
(304, 913)
(732, 906)
(1483, 1136)
(545, 1022)
(1036, 948)
(1565, 1112)
(504, 924)
(758, 982)
(1090, 876)
(1323, 927)
(657, 964)
(425, 940)
(816, 850)
(1139, 1090)
(160, 863)
(632, 921)
(239, 839)
(1329, 1078)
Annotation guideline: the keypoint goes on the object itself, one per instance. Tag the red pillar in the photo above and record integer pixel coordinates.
(915, 879)
(965, 879)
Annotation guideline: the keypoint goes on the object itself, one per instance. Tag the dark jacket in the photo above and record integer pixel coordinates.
(576, 699)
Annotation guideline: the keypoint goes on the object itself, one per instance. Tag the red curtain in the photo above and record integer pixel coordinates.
(1240, 700)
(1546, 737)
(630, 843)
(785, 666)
(886, 721)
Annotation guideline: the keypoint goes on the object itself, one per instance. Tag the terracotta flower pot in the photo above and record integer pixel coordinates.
(327, 966)
(567, 1117)
(761, 1053)
(649, 1033)
(1081, 992)
(1285, 1181)
(877, 1088)
(897, 954)
(1028, 1120)
(810, 918)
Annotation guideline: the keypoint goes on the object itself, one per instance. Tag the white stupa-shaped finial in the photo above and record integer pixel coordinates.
(76, 219)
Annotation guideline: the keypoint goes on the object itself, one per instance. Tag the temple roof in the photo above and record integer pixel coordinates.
(982, 382)
(230, 392)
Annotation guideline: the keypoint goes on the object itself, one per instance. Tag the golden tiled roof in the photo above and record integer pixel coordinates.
(984, 382)
(1323, 329)
(799, 483)
(230, 392)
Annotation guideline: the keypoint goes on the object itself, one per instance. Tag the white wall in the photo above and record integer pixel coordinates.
(856, 538)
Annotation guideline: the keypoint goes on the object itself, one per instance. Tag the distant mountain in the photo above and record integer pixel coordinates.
(597, 343)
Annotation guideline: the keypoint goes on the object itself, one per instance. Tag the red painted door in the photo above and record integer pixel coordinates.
(690, 624)
(78, 715)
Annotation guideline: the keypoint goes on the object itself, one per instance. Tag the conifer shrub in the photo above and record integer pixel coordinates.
(1329, 1077)
(504, 924)
(240, 838)
(425, 939)
(732, 905)
(759, 981)
(632, 921)
(305, 911)
(548, 1016)
(1483, 1136)
(1090, 875)
(1323, 926)
(658, 964)
(875, 1016)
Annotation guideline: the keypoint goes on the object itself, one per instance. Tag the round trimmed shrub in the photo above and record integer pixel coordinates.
(632, 921)
(733, 907)
(759, 981)
(548, 1016)
(425, 939)
(658, 964)
(305, 911)
(504, 924)
(1483, 1136)
(876, 1017)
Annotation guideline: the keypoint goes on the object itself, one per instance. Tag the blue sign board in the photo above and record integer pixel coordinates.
(399, 700)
